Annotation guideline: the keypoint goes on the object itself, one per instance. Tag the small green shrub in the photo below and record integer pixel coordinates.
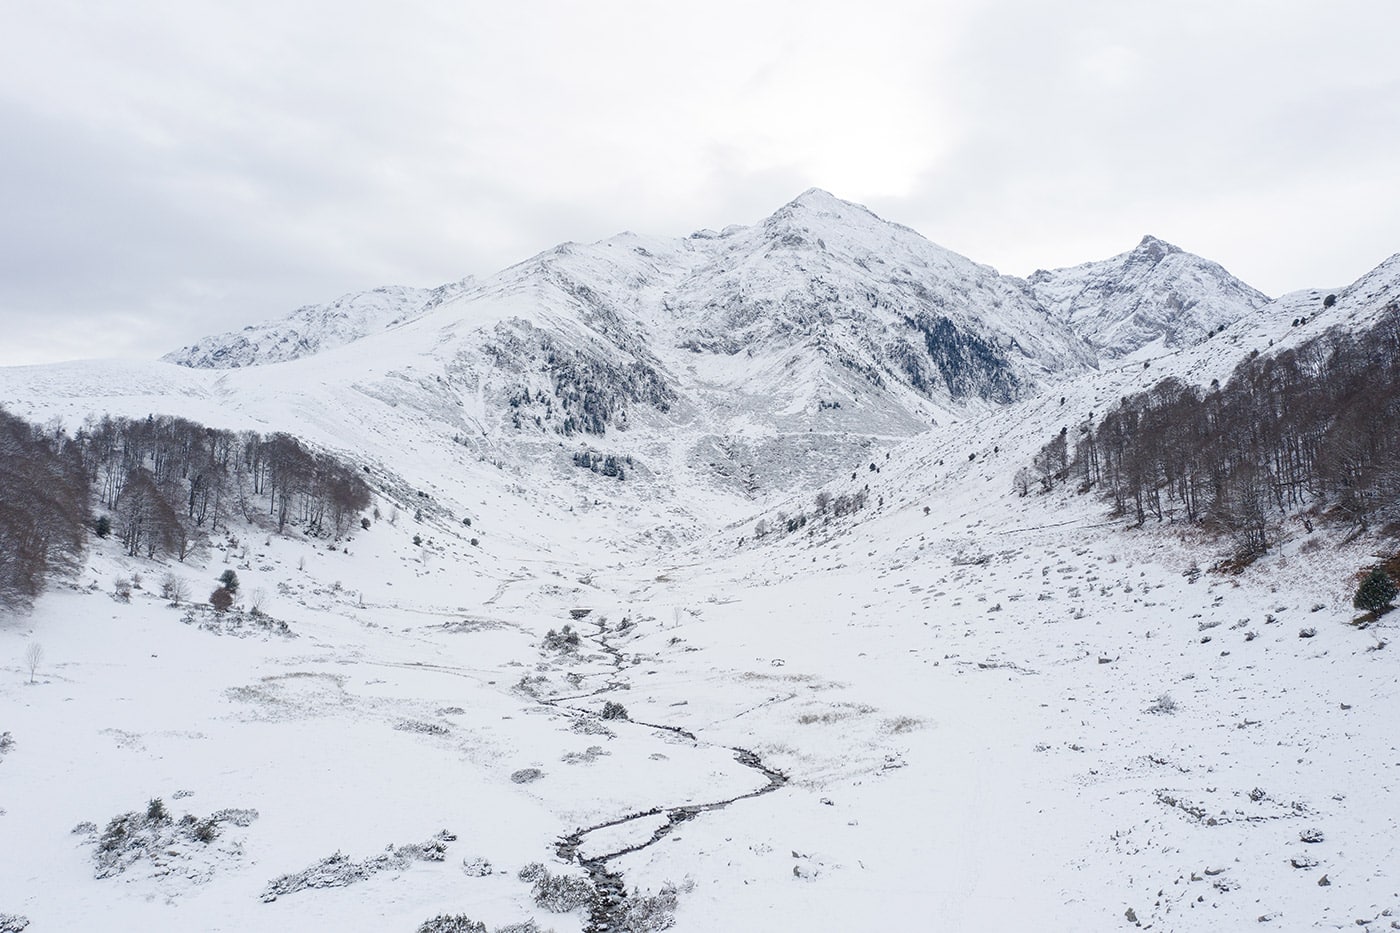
(116, 834)
(206, 830)
(1376, 592)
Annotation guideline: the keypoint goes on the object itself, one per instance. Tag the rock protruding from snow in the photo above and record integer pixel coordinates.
(1154, 293)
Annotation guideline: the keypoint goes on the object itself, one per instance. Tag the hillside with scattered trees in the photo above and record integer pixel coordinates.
(162, 485)
(1313, 429)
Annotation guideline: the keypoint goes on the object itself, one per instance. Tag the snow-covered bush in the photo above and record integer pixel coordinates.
(154, 836)
(562, 893)
(532, 872)
(648, 913)
(566, 641)
(1163, 704)
(460, 923)
(338, 870)
(476, 866)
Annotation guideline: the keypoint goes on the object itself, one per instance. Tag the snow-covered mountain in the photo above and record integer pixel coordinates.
(1153, 295)
(767, 354)
(824, 276)
(831, 278)
(955, 701)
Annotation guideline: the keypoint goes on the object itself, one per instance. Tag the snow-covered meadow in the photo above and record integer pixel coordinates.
(1000, 712)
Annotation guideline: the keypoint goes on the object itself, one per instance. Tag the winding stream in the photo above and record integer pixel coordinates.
(610, 891)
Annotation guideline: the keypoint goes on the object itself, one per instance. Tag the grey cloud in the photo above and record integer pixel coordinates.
(173, 170)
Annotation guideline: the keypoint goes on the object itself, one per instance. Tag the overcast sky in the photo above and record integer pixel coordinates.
(174, 169)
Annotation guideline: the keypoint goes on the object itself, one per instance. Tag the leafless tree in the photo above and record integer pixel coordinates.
(44, 494)
(1313, 425)
(175, 588)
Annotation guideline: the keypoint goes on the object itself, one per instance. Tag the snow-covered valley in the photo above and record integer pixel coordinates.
(955, 708)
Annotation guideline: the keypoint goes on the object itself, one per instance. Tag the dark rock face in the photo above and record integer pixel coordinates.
(966, 364)
(589, 390)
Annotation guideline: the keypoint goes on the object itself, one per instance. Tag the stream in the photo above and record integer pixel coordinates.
(610, 891)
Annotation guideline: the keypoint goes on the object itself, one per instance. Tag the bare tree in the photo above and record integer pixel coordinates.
(1312, 426)
(33, 657)
(175, 588)
(44, 491)
(1022, 482)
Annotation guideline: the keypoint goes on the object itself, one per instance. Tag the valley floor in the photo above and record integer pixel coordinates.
(987, 721)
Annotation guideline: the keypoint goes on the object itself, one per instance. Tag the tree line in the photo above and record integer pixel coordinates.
(161, 484)
(1314, 427)
(44, 509)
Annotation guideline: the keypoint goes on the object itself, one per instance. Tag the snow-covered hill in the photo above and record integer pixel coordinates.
(314, 328)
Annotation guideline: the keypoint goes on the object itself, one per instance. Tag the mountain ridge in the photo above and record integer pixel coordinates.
(733, 262)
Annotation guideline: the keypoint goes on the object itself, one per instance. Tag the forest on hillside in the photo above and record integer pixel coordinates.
(1313, 429)
(162, 485)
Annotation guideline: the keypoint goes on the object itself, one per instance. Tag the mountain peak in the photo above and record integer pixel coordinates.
(821, 203)
(1154, 294)
(1154, 249)
(818, 197)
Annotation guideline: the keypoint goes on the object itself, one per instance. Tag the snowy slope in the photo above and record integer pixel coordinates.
(761, 358)
(314, 328)
(947, 705)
